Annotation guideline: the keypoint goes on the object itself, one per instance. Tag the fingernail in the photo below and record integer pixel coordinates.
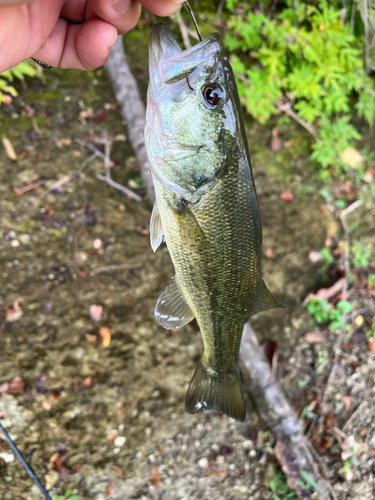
(122, 6)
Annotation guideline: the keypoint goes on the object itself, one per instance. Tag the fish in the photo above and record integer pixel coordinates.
(206, 210)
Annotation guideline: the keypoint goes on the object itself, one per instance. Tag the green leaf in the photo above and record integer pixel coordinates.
(344, 306)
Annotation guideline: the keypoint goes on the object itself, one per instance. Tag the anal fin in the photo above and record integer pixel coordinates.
(209, 390)
(171, 309)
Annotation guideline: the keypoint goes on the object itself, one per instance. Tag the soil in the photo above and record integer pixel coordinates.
(118, 411)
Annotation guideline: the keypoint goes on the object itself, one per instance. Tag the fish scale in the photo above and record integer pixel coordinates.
(212, 227)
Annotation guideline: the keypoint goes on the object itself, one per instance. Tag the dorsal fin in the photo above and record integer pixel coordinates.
(171, 309)
(156, 230)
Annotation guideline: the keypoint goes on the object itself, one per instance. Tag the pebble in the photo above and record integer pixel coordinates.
(119, 441)
(203, 462)
(247, 444)
(7, 456)
(15, 243)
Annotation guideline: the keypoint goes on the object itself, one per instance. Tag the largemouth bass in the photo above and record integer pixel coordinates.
(206, 210)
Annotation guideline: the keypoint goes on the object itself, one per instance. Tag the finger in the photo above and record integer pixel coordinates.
(74, 10)
(162, 7)
(14, 3)
(79, 46)
(122, 14)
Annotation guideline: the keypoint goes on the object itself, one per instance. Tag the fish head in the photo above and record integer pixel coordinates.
(192, 112)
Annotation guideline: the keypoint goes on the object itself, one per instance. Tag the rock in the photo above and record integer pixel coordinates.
(203, 462)
(16, 418)
(7, 456)
(119, 441)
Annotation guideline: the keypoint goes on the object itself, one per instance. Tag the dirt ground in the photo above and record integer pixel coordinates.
(109, 421)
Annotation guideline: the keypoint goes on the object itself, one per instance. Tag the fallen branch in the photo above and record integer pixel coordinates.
(132, 109)
(114, 267)
(291, 448)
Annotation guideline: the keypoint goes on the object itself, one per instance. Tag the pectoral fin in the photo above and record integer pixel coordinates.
(266, 300)
(156, 231)
(171, 310)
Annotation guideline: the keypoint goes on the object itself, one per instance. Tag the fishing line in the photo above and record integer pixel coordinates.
(194, 20)
(27, 467)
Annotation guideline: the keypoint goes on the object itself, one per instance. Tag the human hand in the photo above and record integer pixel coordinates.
(69, 33)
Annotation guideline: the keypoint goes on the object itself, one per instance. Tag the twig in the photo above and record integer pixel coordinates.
(220, 10)
(114, 267)
(26, 466)
(337, 346)
(287, 109)
(364, 400)
(118, 186)
(90, 146)
(106, 157)
(352, 16)
(272, 8)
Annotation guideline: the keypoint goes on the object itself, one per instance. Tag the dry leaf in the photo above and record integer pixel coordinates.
(85, 115)
(118, 470)
(9, 149)
(359, 320)
(110, 489)
(96, 312)
(275, 141)
(345, 401)
(155, 478)
(369, 175)
(64, 142)
(269, 253)
(352, 157)
(16, 386)
(314, 338)
(286, 197)
(327, 293)
(104, 336)
(315, 256)
(46, 406)
(371, 344)
(14, 313)
(21, 191)
(90, 338)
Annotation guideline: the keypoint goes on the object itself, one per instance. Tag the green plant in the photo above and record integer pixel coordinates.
(67, 496)
(371, 280)
(360, 254)
(280, 489)
(304, 63)
(324, 314)
(7, 90)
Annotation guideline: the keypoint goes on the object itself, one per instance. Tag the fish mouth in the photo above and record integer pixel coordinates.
(169, 64)
(163, 43)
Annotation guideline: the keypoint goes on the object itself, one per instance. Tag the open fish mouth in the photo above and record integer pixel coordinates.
(169, 64)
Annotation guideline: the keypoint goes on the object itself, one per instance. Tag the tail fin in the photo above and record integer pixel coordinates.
(209, 391)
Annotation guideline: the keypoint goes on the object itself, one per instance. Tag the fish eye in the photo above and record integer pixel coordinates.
(212, 94)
